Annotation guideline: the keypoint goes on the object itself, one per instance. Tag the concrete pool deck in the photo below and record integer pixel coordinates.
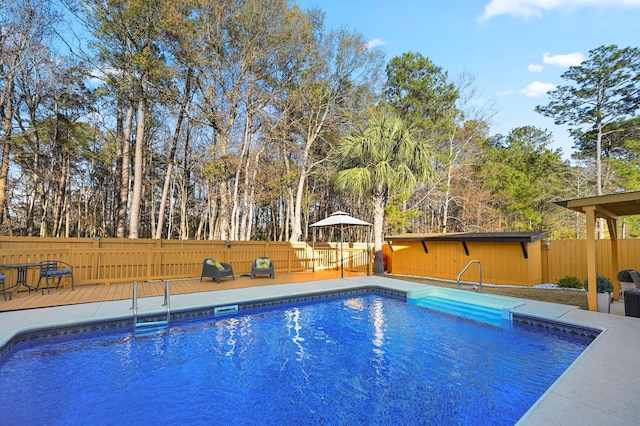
(601, 387)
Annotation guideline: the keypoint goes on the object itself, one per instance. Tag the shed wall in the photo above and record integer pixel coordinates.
(504, 263)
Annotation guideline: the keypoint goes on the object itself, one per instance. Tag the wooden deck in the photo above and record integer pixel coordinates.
(102, 293)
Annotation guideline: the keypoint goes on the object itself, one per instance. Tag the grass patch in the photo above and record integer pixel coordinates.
(565, 297)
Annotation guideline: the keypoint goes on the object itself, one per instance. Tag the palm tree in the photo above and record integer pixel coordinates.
(380, 160)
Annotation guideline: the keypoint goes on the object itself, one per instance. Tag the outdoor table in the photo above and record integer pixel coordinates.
(21, 279)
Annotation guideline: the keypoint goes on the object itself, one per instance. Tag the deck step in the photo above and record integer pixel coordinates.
(151, 328)
(151, 324)
(491, 309)
(478, 313)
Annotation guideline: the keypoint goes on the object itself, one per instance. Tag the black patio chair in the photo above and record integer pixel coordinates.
(635, 276)
(52, 269)
(212, 268)
(262, 266)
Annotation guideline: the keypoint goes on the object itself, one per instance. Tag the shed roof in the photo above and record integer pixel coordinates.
(504, 237)
(466, 237)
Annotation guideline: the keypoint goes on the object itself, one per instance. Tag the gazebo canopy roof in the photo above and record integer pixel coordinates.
(340, 219)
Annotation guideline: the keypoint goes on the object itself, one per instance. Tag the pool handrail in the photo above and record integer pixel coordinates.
(167, 303)
(478, 288)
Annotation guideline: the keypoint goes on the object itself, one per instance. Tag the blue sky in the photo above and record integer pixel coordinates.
(515, 49)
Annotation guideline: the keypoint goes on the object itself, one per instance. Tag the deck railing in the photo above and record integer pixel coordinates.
(105, 261)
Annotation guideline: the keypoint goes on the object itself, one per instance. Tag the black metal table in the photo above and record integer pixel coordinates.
(21, 279)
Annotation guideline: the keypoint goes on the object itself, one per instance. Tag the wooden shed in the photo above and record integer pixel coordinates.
(506, 258)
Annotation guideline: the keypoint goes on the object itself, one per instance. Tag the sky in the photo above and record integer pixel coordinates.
(516, 50)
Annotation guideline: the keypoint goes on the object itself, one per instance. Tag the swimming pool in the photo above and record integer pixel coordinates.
(357, 360)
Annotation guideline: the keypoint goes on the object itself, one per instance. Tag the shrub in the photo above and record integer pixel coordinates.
(569, 282)
(625, 276)
(603, 284)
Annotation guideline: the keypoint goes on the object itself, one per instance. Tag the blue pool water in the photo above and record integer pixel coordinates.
(360, 360)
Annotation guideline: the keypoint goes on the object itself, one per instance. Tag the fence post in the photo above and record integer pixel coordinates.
(95, 257)
(544, 260)
(150, 252)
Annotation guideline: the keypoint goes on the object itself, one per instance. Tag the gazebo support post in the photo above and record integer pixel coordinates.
(313, 252)
(369, 263)
(341, 254)
(613, 234)
(590, 212)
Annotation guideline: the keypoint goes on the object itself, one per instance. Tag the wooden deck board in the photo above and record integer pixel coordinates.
(106, 292)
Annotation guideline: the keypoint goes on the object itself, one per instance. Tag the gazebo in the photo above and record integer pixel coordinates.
(608, 207)
(339, 220)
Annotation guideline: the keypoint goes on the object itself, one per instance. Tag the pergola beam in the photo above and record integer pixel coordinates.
(605, 214)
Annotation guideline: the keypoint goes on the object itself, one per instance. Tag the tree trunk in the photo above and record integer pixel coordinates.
(136, 197)
(447, 191)
(379, 204)
(305, 168)
(296, 217)
(61, 196)
(61, 190)
(124, 145)
(6, 144)
(599, 174)
(250, 184)
(184, 222)
(172, 156)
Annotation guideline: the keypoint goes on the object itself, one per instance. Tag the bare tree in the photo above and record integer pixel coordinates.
(340, 72)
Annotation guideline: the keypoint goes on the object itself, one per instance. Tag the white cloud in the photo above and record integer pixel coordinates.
(375, 43)
(535, 68)
(568, 60)
(537, 89)
(534, 8)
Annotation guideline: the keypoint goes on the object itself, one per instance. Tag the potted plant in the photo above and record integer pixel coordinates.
(626, 282)
(604, 288)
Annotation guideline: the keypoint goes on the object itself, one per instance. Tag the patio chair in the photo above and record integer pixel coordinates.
(55, 269)
(262, 266)
(212, 268)
(635, 276)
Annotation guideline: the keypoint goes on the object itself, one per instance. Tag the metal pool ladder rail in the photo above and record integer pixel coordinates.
(477, 288)
(150, 326)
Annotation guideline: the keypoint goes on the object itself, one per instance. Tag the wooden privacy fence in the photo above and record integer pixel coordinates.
(569, 257)
(111, 260)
